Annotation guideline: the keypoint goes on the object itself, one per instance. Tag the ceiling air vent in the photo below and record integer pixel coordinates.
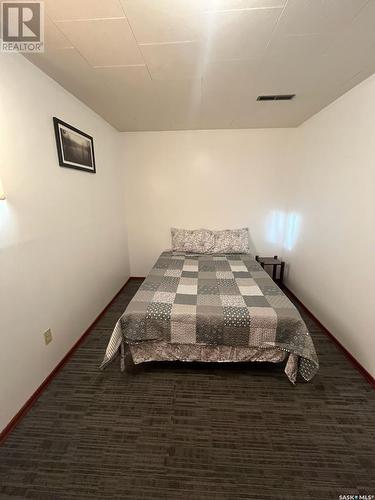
(282, 97)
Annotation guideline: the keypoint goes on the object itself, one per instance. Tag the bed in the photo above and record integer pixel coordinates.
(213, 308)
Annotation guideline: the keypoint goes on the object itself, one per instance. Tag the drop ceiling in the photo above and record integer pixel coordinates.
(200, 64)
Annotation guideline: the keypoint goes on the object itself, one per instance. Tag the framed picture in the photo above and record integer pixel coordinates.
(74, 148)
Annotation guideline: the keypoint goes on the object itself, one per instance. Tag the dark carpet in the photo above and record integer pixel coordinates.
(175, 430)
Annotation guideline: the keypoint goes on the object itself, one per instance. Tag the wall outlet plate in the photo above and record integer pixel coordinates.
(48, 336)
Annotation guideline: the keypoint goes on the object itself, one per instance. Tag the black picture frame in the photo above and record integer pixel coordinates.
(75, 149)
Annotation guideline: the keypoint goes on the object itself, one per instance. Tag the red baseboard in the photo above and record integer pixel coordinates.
(26, 407)
(370, 379)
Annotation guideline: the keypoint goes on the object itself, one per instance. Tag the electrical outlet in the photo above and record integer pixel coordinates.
(47, 336)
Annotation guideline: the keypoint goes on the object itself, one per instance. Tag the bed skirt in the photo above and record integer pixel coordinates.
(165, 351)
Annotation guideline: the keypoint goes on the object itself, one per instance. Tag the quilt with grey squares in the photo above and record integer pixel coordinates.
(215, 300)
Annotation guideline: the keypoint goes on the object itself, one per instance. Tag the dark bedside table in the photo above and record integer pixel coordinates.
(274, 262)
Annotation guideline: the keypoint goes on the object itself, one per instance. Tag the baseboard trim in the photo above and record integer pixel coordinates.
(29, 403)
(365, 374)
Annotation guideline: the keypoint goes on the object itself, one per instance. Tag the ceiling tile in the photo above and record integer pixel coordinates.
(359, 34)
(183, 8)
(156, 106)
(318, 16)
(233, 78)
(364, 21)
(108, 42)
(181, 93)
(130, 77)
(165, 28)
(239, 34)
(231, 71)
(284, 77)
(323, 71)
(166, 105)
(336, 68)
(59, 10)
(161, 8)
(218, 113)
(226, 88)
(174, 60)
(170, 21)
(54, 38)
(243, 4)
(68, 68)
(122, 93)
(302, 47)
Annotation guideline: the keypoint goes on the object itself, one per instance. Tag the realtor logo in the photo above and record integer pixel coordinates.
(22, 26)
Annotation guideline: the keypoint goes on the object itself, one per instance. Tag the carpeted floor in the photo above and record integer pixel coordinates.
(171, 431)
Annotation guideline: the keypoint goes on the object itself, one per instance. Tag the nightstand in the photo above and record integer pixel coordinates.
(274, 262)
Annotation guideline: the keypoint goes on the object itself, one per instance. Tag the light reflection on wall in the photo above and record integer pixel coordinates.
(283, 228)
(6, 229)
(275, 227)
(292, 229)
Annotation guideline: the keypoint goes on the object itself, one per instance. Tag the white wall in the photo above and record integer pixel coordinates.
(211, 178)
(63, 242)
(332, 266)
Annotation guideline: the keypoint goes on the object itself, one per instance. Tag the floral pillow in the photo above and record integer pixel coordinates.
(192, 241)
(231, 241)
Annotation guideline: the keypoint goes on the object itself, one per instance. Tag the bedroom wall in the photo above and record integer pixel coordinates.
(63, 239)
(332, 266)
(212, 178)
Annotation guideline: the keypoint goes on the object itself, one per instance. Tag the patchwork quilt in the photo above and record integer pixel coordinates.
(215, 300)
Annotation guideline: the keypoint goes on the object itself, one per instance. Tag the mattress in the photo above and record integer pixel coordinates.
(215, 300)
